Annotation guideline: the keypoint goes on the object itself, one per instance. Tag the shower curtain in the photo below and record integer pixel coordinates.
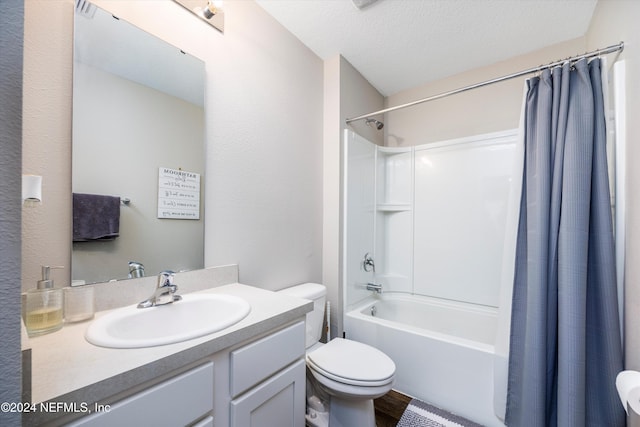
(565, 346)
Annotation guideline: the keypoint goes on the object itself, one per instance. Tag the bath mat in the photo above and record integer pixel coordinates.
(421, 414)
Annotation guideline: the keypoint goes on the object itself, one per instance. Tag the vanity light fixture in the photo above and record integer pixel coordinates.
(210, 11)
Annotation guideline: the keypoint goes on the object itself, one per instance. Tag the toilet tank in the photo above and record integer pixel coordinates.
(316, 293)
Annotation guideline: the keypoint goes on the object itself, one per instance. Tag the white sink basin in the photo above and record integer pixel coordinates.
(194, 316)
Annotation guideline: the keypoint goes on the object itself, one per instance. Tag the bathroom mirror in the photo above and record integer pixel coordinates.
(138, 107)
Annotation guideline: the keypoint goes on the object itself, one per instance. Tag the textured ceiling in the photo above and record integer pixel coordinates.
(400, 44)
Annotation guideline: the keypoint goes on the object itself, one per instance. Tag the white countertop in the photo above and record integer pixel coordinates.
(65, 367)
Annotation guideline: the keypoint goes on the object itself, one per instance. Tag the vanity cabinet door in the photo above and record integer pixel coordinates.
(178, 401)
(276, 402)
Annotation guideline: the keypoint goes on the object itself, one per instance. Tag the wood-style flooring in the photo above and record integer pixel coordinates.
(389, 408)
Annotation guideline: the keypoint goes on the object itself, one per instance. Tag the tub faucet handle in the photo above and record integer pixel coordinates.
(368, 264)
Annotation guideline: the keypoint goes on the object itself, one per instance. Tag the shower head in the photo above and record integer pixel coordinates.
(377, 123)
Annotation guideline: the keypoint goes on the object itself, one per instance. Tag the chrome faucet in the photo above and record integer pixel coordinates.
(374, 287)
(165, 293)
(136, 269)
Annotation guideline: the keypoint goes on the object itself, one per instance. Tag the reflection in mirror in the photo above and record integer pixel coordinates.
(138, 120)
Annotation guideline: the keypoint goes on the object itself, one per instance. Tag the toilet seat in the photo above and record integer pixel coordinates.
(352, 363)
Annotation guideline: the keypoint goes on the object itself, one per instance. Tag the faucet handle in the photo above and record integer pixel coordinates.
(368, 264)
(165, 292)
(165, 278)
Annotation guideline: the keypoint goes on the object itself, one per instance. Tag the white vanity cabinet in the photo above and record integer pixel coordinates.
(182, 400)
(257, 383)
(267, 381)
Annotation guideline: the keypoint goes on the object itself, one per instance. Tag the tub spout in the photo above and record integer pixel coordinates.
(374, 287)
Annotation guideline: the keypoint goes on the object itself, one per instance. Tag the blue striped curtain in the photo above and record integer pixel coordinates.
(565, 346)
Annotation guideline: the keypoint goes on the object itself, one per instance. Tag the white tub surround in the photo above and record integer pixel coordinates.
(432, 216)
(66, 368)
(433, 219)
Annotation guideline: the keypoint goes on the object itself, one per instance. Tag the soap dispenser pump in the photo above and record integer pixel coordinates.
(43, 306)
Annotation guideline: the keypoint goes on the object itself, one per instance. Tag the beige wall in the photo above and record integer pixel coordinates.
(358, 97)
(46, 133)
(616, 21)
(331, 166)
(263, 203)
(488, 109)
(264, 191)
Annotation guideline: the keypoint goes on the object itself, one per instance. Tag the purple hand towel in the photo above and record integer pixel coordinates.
(95, 217)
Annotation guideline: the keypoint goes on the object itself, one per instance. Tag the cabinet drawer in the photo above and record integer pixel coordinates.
(261, 359)
(177, 401)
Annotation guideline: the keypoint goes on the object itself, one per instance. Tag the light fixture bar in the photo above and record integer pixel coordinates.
(208, 11)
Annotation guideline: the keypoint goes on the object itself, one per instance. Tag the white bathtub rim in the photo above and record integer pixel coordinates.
(407, 296)
(355, 312)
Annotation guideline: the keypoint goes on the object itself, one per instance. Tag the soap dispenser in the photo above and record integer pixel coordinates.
(43, 306)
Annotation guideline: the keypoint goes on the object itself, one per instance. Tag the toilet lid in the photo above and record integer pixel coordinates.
(352, 361)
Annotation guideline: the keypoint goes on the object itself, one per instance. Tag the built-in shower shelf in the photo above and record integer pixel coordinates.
(393, 150)
(394, 207)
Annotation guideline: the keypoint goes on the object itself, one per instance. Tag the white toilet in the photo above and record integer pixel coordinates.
(351, 373)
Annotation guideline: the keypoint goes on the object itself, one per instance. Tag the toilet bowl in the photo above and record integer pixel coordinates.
(352, 374)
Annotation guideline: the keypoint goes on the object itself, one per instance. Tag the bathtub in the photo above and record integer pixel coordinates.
(443, 350)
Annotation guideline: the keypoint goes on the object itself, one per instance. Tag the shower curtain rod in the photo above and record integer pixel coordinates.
(604, 51)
